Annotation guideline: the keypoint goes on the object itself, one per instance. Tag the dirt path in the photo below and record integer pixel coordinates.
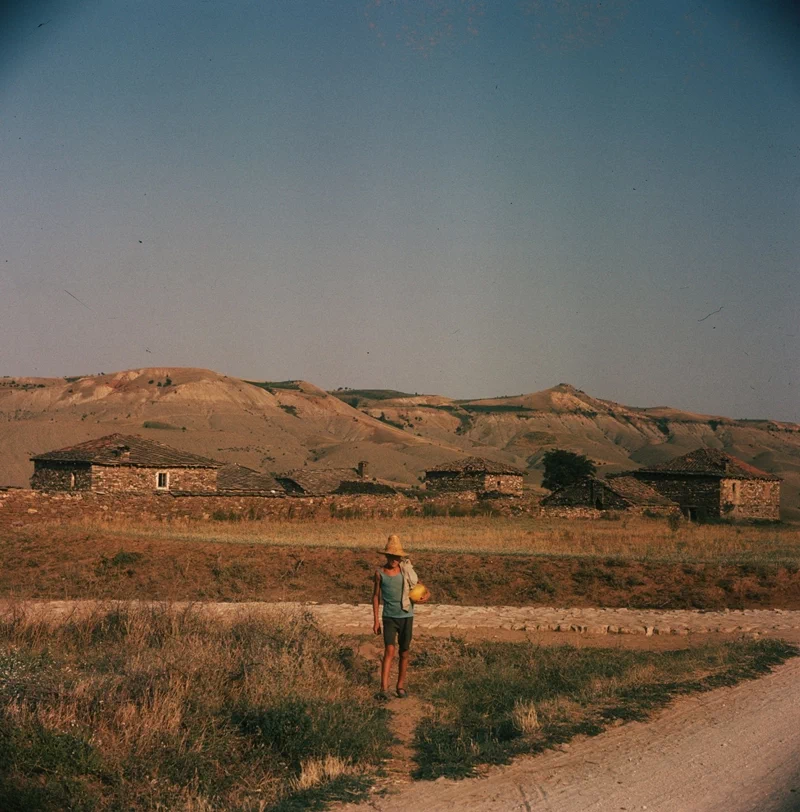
(731, 750)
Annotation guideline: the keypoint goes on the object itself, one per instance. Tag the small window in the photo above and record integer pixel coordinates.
(162, 480)
(72, 480)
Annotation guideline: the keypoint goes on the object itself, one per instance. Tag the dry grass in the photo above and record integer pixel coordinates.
(632, 537)
(525, 717)
(737, 568)
(493, 701)
(317, 771)
(163, 709)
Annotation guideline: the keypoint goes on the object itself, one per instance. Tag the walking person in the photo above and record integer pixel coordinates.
(392, 584)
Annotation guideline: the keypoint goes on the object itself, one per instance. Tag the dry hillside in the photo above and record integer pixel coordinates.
(278, 425)
(616, 437)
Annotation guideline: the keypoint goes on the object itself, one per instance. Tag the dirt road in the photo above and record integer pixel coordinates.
(731, 750)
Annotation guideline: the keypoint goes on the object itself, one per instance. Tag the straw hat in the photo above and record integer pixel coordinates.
(394, 547)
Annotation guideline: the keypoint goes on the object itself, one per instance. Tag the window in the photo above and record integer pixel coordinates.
(162, 480)
(72, 480)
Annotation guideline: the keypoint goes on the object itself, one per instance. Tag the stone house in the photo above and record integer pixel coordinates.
(620, 493)
(476, 474)
(708, 483)
(123, 463)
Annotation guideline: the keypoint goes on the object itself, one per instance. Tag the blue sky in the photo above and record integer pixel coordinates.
(466, 198)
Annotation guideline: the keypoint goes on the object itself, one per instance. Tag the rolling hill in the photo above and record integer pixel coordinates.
(278, 425)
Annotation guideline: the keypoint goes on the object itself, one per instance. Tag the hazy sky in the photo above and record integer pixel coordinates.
(466, 198)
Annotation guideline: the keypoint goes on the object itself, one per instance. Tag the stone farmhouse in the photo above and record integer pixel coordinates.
(620, 493)
(708, 483)
(475, 474)
(123, 463)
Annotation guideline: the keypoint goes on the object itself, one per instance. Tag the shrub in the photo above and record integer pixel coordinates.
(220, 515)
(662, 424)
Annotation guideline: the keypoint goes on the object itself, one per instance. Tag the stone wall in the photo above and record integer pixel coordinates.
(750, 499)
(21, 506)
(134, 479)
(700, 493)
(453, 482)
(51, 475)
(510, 484)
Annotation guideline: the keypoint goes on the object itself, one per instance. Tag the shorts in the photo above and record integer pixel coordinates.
(398, 627)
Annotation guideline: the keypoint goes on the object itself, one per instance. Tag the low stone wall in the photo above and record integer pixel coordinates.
(19, 507)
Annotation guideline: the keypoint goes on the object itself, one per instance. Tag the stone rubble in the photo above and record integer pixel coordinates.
(587, 621)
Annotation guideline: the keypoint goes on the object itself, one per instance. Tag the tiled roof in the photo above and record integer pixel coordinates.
(238, 479)
(125, 449)
(631, 490)
(709, 462)
(376, 486)
(636, 492)
(474, 465)
(315, 482)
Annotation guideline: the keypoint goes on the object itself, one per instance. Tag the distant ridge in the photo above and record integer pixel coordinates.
(270, 425)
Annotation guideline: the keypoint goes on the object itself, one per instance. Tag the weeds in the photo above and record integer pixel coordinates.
(439, 529)
(493, 701)
(160, 709)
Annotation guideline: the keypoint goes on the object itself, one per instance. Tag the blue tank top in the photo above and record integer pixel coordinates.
(392, 595)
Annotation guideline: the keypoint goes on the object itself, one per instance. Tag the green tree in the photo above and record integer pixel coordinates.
(562, 468)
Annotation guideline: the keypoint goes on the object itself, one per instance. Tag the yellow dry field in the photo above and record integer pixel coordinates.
(629, 537)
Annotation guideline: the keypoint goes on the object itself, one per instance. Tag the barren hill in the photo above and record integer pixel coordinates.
(278, 425)
(614, 436)
(273, 426)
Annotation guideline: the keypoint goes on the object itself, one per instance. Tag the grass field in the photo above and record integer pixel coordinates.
(157, 709)
(149, 710)
(632, 537)
(464, 561)
(493, 701)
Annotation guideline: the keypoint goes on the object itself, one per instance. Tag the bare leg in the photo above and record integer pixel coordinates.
(386, 665)
(402, 670)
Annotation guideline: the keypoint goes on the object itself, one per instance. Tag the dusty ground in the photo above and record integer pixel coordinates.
(731, 750)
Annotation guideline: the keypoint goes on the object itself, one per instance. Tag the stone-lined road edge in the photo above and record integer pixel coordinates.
(444, 617)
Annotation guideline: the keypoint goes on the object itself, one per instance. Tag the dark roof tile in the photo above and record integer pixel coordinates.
(636, 492)
(315, 481)
(125, 449)
(475, 465)
(709, 462)
(239, 479)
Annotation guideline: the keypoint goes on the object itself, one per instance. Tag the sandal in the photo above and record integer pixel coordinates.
(402, 693)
